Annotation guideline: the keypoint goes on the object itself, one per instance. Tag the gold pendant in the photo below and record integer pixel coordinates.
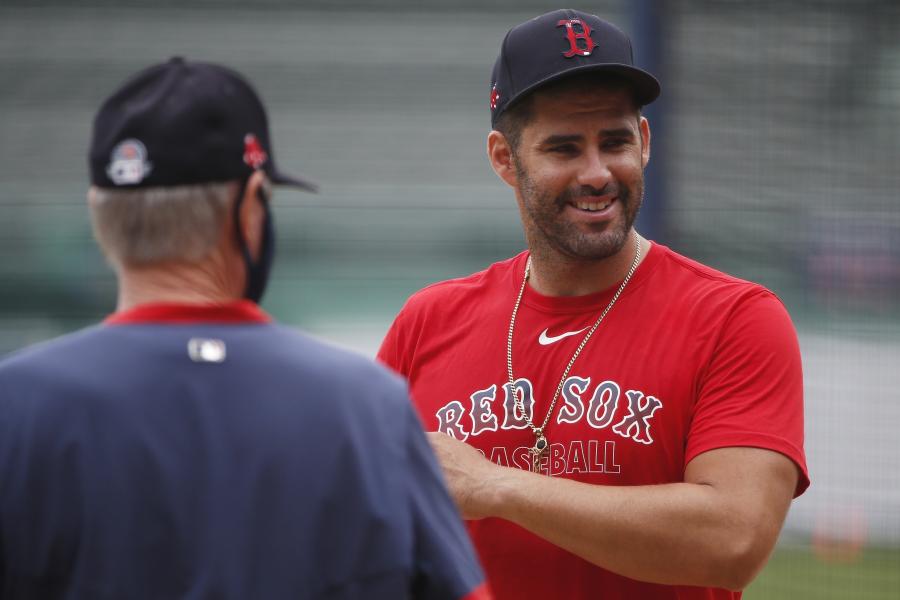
(540, 444)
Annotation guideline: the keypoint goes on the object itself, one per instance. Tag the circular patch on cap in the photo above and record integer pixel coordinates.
(128, 164)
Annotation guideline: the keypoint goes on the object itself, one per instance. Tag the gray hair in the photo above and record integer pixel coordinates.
(149, 225)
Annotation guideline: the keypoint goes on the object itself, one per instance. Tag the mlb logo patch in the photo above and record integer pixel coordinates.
(206, 350)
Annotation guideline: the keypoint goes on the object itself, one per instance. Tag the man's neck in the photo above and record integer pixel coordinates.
(554, 275)
(174, 284)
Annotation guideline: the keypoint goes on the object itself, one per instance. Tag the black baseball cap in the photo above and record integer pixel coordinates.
(559, 44)
(181, 123)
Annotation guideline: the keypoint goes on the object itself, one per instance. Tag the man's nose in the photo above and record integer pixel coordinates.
(595, 171)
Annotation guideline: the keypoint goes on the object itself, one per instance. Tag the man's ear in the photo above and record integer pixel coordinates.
(645, 142)
(252, 212)
(501, 156)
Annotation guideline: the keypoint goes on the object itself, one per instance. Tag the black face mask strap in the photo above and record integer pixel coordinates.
(257, 271)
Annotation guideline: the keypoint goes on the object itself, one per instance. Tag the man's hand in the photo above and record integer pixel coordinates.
(472, 478)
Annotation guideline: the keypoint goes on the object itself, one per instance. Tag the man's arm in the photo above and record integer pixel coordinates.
(716, 529)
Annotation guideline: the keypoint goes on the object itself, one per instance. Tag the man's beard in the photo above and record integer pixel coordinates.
(548, 229)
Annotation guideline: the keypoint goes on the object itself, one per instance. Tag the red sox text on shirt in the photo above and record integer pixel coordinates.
(599, 412)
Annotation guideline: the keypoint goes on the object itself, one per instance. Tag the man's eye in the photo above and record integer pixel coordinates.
(564, 149)
(614, 143)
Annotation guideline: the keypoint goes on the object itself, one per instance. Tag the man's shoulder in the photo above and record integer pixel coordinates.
(682, 271)
(448, 294)
(31, 379)
(43, 355)
(105, 350)
(320, 359)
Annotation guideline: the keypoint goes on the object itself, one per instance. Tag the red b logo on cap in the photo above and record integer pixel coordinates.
(495, 97)
(573, 37)
(254, 155)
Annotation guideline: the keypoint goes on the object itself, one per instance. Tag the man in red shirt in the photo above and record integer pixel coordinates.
(615, 420)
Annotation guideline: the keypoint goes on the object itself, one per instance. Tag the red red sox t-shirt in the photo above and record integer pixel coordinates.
(688, 360)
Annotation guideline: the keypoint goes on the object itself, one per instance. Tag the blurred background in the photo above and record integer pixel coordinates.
(776, 157)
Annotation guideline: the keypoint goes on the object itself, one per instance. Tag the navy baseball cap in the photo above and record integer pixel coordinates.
(181, 123)
(558, 44)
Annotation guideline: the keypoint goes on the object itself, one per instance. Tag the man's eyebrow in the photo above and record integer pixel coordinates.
(621, 132)
(561, 139)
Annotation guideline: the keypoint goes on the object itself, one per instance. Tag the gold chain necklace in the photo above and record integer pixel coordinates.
(540, 441)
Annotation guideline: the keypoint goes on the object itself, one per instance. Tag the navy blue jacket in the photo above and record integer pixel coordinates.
(155, 459)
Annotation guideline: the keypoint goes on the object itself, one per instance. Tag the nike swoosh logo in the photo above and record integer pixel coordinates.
(546, 340)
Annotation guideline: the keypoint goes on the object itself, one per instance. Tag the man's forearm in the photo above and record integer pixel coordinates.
(716, 529)
(679, 533)
(675, 533)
